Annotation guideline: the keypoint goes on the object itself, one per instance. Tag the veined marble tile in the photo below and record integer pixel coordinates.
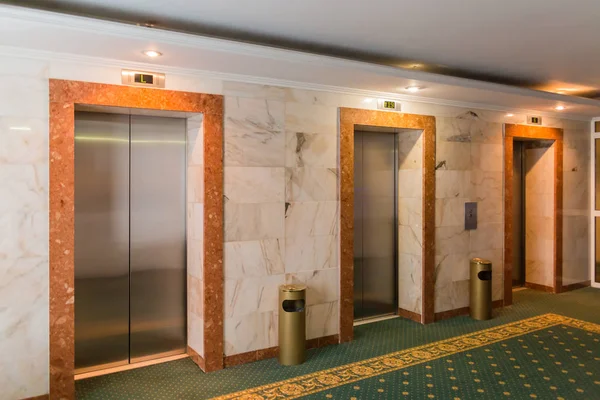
(196, 221)
(254, 132)
(409, 291)
(22, 189)
(486, 190)
(28, 96)
(539, 228)
(410, 211)
(23, 234)
(23, 146)
(196, 333)
(195, 141)
(450, 211)
(487, 157)
(410, 240)
(311, 150)
(196, 296)
(456, 155)
(468, 126)
(576, 246)
(486, 236)
(410, 183)
(451, 268)
(452, 184)
(576, 193)
(311, 184)
(309, 118)
(451, 240)
(252, 295)
(410, 149)
(313, 97)
(408, 265)
(195, 184)
(254, 185)
(307, 253)
(250, 332)
(311, 219)
(241, 89)
(322, 285)
(322, 320)
(195, 258)
(255, 258)
(244, 222)
(538, 271)
(24, 326)
(544, 205)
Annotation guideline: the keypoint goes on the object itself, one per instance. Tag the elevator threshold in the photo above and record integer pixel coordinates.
(364, 321)
(166, 357)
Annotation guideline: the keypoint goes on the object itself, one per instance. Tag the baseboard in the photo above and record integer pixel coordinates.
(272, 352)
(40, 397)
(457, 312)
(542, 288)
(413, 316)
(575, 286)
(197, 358)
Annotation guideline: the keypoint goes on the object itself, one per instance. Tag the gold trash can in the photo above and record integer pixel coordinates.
(481, 289)
(292, 324)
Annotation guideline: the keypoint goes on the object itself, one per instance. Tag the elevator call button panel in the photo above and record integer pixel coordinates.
(470, 216)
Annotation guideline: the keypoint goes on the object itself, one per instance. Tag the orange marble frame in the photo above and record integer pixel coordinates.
(64, 96)
(512, 131)
(349, 118)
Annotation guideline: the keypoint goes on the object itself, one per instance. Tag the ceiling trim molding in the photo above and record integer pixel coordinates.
(214, 75)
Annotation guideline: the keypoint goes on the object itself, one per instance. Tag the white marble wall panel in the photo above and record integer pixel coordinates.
(250, 332)
(322, 320)
(311, 184)
(323, 285)
(250, 295)
(23, 228)
(244, 222)
(307, 253)
(311, 219)
(316, 150)
(254, 132)
(254, 184)
(256, 258)
(195, 233)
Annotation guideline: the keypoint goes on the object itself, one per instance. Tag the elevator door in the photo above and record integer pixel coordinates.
(130, 298)
(518, 270)
(375, 227)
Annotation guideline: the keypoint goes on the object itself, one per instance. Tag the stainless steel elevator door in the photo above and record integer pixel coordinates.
(101, 240)
(375, 224)
(158, 237)
(130, 239)
(518, 270)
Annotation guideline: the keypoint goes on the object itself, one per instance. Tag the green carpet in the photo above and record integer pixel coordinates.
(431, 377)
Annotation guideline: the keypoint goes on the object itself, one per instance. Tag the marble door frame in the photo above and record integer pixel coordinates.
(64, 96)
(349, 117)
(512, 131)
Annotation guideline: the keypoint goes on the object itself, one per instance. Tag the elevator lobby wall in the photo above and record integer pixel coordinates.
(281, 164)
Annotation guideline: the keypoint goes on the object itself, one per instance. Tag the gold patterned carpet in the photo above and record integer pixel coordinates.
(545, 335)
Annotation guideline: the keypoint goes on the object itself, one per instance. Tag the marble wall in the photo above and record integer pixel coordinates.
(281, 207)
(576, 202)
(539, 213)
(469, 161)
(410, 220)
(23, 228)
(195, 234)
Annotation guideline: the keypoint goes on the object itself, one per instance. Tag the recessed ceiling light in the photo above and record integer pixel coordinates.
(368, 100)
(559, 108)
(510, 115)
(413, 89)
(19, 128)
(152, 53)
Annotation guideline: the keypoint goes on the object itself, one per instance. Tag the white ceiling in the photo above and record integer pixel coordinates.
(528, 40)
(50, 35)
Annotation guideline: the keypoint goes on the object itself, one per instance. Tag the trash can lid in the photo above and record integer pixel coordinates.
(478, 260)
(292, 288)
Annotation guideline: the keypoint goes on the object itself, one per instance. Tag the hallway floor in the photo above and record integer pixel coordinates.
(548, 356)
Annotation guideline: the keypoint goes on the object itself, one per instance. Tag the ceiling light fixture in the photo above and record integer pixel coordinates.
(413, 89)
(510, 115)
(19, 128)
(559, 108)
(368, 100)
(152, 53)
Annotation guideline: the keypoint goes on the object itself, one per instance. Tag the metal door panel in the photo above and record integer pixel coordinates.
(158, 237)
(378, 224)
(518, 270)
(358, 225)
(101, 240)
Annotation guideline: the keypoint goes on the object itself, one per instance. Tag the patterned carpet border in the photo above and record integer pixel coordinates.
(342, 375)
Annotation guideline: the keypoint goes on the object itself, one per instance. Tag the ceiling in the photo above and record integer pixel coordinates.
(542, 44)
